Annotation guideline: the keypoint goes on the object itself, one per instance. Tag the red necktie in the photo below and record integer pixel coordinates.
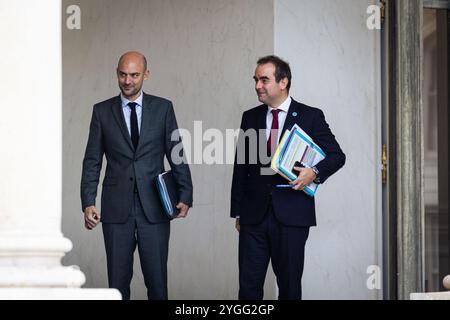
(274, 130)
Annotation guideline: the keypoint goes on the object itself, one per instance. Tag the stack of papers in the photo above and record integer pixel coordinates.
(297, 149)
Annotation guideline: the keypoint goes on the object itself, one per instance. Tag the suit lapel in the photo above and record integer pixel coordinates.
(292, 117)
(147, 102)
(262, 118)
(118, 115)
(262, 124)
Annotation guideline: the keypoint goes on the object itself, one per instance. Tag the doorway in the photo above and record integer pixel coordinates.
(436, 144)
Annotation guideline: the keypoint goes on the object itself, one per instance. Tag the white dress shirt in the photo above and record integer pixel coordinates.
(127, 111)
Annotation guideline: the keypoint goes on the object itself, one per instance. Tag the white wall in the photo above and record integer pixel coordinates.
(202, 56)
(335, 63)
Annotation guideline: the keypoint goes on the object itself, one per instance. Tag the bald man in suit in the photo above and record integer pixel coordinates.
(133, 130)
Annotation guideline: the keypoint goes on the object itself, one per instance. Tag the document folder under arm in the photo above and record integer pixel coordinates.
(296, 148)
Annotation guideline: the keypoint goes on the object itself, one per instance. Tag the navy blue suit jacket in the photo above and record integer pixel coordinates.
(251, 191)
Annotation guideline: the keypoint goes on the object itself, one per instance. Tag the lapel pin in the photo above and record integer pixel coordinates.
(294, 114)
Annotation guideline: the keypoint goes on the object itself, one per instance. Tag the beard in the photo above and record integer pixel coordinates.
(130, 91)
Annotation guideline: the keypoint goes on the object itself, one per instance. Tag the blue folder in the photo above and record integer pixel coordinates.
(168, 193)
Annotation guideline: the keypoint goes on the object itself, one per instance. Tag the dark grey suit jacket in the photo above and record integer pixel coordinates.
(126, 166)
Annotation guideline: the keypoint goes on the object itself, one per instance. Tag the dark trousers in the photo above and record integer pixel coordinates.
(283, 245)
(152, 241)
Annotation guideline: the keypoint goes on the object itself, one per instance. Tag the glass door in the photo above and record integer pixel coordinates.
(436, 146)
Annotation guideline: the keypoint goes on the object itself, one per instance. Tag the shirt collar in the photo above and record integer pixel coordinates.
(125, 100)
(284, 106)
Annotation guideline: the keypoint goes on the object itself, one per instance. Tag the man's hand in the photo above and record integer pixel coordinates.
(238, 225)
(91, 217)
(184, 208)
(305, 177)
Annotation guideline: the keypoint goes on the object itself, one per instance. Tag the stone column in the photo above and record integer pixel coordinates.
(410, 211)
(31, 242)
